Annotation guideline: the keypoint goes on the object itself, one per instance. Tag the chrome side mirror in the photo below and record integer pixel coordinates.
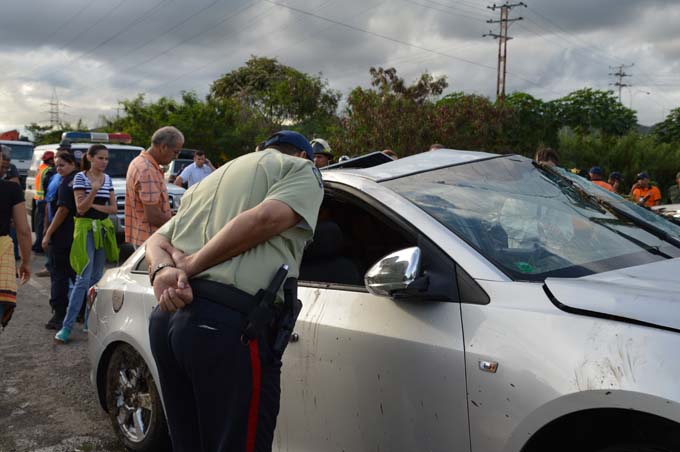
(394, 273)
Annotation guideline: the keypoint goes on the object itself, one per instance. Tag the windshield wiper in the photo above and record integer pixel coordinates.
(620, 213)
(652, 249)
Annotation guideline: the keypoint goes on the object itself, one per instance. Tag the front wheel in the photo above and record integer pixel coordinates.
(636, 448)
(134, 404)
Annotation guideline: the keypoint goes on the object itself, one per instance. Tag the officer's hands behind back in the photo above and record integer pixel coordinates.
(172, 289)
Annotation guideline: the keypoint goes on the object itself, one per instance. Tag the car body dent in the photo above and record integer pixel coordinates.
(130, 324)
(363, 363)
(620, 293)
(341, 333)
(552, 363)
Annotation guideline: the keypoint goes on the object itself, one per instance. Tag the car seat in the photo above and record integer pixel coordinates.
(323, 263)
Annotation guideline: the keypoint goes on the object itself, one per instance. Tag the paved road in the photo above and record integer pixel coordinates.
(47, 403)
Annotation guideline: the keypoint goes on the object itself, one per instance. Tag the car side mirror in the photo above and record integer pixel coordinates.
(397, 275)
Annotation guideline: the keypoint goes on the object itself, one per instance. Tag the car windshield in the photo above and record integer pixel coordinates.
(530, 222)
(623, 205)
(119, 159)
(21, 151)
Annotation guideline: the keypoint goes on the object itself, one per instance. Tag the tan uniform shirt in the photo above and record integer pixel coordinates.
(236, 187)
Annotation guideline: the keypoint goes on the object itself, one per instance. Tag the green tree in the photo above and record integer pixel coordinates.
(391, 114)
(280, 94)
(587, 110)
(533, 123)
(52, 134)
(472, 122)
(668, 131)
(629, 154)
(425, 88)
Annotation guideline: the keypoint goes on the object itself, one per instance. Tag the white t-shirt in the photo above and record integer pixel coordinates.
(192, 174)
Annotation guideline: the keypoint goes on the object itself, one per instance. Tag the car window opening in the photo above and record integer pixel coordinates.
(348, 240)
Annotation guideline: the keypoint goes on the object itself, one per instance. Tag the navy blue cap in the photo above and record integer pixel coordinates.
(642, 175)
(596, 170)
(616, 175)
(293, 138)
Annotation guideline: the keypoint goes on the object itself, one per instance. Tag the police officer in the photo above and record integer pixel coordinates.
(233, 233)
(323, 154)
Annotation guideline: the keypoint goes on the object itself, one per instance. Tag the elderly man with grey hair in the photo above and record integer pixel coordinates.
(147, 206)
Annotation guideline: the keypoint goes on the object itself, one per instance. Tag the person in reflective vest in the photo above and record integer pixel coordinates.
(44, 170)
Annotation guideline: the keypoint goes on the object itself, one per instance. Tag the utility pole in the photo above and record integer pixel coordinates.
(620, 74)
(503, 39)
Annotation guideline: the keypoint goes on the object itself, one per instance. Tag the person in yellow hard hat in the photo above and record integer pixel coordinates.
(323, 154)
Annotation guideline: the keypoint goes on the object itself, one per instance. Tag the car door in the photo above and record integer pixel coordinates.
(371, 373)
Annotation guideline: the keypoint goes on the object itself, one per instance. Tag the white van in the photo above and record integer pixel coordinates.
(21, 153)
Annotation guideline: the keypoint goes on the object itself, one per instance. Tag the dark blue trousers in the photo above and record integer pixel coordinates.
(220, 394)
(39, 226)
(61, 275)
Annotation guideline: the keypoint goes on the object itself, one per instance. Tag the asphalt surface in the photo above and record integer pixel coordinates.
(47, 403)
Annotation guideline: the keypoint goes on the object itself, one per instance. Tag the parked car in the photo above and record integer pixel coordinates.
(22, 154)
(670, 211)
(455, 301)
(121, 154)
(175, 168)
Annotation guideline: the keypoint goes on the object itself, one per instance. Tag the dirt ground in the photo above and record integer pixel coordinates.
(47, 403)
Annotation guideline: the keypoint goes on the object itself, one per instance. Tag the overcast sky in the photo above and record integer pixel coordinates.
(93, 53)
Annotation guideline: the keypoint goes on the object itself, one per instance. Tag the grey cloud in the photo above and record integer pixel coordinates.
(183, 45)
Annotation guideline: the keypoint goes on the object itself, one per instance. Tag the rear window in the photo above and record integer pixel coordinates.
(21, 151)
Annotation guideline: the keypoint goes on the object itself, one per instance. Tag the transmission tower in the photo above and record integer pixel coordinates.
(503, 39)
(55, 119)
(620, 74)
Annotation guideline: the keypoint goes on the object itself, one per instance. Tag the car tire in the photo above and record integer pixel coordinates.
(133, 403)
(636, 448)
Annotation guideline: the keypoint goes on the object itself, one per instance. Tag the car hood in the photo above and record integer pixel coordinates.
(119, 187)
(647, 294)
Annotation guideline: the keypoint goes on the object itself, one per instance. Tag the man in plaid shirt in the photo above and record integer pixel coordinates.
(146, 196)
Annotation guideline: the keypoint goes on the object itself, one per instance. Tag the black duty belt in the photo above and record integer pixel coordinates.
(224, 294)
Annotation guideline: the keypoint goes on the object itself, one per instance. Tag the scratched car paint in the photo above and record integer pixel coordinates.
(541, 309)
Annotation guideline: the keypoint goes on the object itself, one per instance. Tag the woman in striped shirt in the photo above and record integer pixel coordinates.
(94, 237)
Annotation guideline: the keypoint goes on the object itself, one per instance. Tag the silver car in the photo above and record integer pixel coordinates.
(453, 301)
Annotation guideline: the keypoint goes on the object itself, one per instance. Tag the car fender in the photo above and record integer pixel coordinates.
(587, 400)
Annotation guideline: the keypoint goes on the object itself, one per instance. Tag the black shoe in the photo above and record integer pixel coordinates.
(55, 322)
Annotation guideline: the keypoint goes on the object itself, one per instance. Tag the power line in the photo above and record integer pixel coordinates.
(503, 39)
(152, 57)
(445, 11)
(139, 19)
(69, 20)
(395, 40)
(63, 47)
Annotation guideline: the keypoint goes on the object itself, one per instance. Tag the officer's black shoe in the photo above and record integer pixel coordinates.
(55, 322)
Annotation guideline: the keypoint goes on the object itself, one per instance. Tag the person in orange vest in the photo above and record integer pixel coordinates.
(643, 193)
(44, 170)
(597, 177)
(615, 180)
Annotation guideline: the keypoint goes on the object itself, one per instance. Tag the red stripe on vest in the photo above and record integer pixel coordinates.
(255, 396)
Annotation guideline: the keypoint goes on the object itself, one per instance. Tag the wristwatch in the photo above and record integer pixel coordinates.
(156, 269)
